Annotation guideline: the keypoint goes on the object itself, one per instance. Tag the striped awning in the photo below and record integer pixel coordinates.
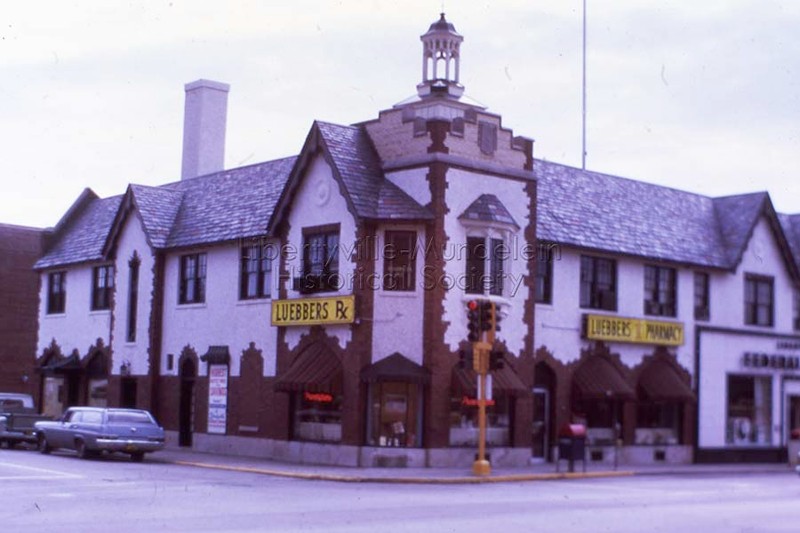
(597, 378)
(660, 381)
(316, 369)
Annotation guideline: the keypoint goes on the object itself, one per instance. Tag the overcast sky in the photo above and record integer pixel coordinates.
(698, 95)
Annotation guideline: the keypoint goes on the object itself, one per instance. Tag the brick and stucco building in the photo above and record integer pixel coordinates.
(313, 308)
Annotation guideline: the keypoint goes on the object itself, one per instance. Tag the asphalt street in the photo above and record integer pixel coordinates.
(59, 492)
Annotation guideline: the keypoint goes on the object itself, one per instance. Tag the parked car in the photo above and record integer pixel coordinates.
(17, 417)
(92, 430)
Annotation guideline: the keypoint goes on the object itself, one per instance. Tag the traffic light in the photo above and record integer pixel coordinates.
(473, 321)
(487, 314)
(497, 360)
(465, 359)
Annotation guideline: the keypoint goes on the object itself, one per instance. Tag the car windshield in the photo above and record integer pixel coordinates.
(128, 417)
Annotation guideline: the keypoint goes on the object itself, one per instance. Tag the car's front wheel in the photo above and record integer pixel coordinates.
(42, 444)
(137, 457)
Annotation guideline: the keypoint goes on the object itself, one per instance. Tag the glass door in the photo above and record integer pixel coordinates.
(541, 423)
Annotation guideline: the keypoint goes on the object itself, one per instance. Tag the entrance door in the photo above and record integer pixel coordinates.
(186, 408)
(127, 396)
(541, 423)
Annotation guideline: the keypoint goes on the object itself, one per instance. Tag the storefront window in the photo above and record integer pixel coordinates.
(395, 417)
(658, 423)
(749, 410)
(603, 419)
(98, 392)
(464, 421)
(317, 417)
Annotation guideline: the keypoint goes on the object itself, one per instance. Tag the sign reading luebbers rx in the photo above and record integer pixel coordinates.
(314, 311)
(636, 330)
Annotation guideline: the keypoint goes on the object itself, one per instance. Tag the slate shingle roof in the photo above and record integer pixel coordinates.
(83, 237)
(488, 208)
(791, 228)
(578, 208)
(371, 194)
(598, 211)
(228, 205)
(158, 207)
(736, 216)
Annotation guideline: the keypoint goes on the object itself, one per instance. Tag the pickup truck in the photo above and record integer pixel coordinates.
(17, 417)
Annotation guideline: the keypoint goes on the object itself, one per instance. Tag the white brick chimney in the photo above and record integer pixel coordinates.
(204, 120)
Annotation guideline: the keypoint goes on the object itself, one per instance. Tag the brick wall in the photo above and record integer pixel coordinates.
(20, 247)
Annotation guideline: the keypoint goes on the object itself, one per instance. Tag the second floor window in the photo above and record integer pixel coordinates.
(193, 279)
(598, 283)
(544, 273)
(758, 300)
(659, 291)
(56, 292)
(102, 287)
(399, 260)
(482, 255)
(320, 261)
(256, 272)
(702, 296)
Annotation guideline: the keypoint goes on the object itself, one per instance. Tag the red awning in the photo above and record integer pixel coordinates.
(316, 369)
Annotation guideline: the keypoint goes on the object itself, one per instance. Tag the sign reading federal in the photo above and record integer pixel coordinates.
(314, 311)
(635, 330)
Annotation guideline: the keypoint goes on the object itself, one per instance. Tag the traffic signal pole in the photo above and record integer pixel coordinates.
(482, 350)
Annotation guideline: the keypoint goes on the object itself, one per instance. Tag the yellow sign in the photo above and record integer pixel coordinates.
(314, 311)
(621, 329)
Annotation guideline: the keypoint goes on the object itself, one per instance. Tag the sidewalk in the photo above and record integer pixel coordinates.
(537, 472)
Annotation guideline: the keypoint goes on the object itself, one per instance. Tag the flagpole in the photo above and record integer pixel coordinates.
(583, 123)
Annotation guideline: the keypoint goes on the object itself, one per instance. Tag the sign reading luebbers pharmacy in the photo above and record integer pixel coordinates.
(314, 311)
(635, 330)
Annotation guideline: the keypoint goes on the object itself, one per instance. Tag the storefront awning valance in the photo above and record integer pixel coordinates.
(316, 369)
(660, 381)
(396, 367)
(217, 355)
(505, 381)
(597, 378)
(59, 366)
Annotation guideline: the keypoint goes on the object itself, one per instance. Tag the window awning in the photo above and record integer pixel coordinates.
(316, 369)
(505, 381)
(660, 381)
(597, 378)
(396, 367)
(217, 355)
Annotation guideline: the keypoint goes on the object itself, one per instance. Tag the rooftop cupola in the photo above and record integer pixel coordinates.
(440, 60)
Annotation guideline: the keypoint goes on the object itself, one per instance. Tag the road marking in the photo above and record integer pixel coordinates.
(49, 474)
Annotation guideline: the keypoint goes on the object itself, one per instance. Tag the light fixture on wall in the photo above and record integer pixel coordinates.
(25, 377)
(125, 368)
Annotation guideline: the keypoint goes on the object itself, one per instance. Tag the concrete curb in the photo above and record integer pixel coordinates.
(408, 480)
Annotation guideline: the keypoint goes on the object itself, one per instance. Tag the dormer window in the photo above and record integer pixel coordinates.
(489, 229)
